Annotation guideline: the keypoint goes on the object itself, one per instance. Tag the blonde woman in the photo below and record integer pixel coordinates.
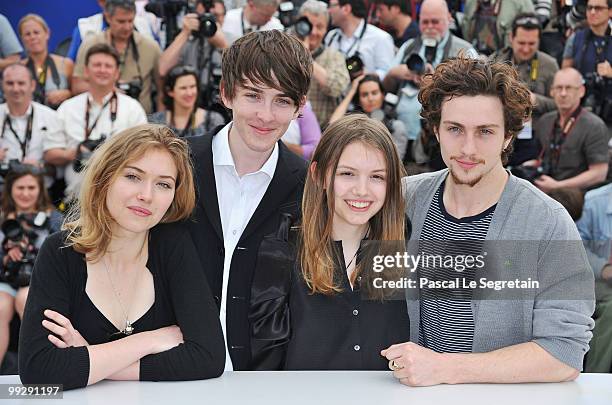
(119, 294)
(50, 72)
(326, 312)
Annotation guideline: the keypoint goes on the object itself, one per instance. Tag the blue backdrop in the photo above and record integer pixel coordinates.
(61, 15)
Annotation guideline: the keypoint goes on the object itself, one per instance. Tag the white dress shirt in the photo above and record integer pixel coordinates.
(238, 199)
(235, 25)
(376, 48)
(45, 124)
(72, 118)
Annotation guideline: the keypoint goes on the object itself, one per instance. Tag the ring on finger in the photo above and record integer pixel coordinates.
(393, 366)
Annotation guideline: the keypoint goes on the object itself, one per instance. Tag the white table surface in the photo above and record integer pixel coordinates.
(328, 387)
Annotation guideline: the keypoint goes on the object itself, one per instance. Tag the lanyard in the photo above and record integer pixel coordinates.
(257, 27)
(189, 126)
(28, 133)
(113, 114)
(558, 136)
(131, 45)
(356, 41)
(41, 78)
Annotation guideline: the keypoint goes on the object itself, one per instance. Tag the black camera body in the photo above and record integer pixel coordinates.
(15, 165)
(21, 232)
(83, 156)
(529, 173)
(354, 65)
(132, 88)
(598, 99)
(415, 63)
(208, 25)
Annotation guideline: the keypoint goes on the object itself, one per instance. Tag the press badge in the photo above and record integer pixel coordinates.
(527, 132)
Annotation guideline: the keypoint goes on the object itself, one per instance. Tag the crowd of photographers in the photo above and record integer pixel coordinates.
(160, 61)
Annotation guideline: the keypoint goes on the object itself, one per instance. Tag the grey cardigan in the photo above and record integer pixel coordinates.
(558, 315)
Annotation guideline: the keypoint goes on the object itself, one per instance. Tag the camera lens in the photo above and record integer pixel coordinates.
(416, 64)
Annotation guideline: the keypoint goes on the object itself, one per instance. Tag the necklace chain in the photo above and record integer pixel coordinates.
(128, 325)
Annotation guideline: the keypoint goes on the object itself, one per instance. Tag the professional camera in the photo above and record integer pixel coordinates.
(301, 27)
(208, 25)
(529, 173)
(416, 63)
(83, 156)
(598, 99)
(22, 232)
(387, 113)
(132, 88)
(354, 65)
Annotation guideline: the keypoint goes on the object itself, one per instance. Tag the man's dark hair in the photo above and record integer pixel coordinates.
(111, 5)
(464, 76)
(572, 200)
(358, 8)
(404, 5)
(526, 21)
(102, 48)
(262, 56)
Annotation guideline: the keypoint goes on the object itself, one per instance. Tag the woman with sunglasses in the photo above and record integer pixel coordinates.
(119, 293)
(181, 96)
(27, 218)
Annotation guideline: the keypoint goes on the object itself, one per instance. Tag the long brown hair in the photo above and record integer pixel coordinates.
(316, 244)
(89, 222)
(43, 202)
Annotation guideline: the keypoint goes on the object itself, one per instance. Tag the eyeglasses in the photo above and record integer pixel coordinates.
(433, 21)
(597, 9)
(566, 88)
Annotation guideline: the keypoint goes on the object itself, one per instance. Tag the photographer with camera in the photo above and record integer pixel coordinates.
(367, 95)
(434, 45)
(25, 124)
(329, 73)
(139, 55)
(589, 50)
(367, 48)
(182, 115)
(27, 218)
(91, 117)
(199, 45)
(573, 140)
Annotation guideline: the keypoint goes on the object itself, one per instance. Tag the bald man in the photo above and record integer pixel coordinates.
(573, 140)
(25, 124)
(434, 20)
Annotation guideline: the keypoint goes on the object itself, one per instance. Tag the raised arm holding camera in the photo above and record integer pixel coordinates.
(199, 45)
(90, 118)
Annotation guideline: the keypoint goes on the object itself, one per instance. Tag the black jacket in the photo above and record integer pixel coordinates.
(283, 196)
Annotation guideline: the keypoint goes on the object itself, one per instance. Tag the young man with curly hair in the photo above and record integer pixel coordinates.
(469, 331)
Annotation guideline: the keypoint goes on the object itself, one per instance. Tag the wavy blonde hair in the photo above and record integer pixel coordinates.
(89, 221)
(316, 243)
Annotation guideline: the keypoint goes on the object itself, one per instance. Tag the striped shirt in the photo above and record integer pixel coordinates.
(447, 320)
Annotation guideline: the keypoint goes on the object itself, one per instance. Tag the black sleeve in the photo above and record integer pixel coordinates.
(203, 353)
(40, 362)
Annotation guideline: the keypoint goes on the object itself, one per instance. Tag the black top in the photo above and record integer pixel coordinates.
(344, 331)
(182, 298)
(295, 330)
(283, 197)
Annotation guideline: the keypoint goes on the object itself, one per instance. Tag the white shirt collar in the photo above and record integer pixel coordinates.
(14, 117)
(104, 99)
(356, 32)
(222, 155)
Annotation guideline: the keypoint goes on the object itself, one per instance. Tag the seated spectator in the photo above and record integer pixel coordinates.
(25, 206)
(95, 24)
(367, 95)
(329, 73)
(201, 53)
(354, 37)
(182, 115)
(119, 293)
(139, 55)
(26, 124)
(303, 133)
(589, 50)
(434, 45)
(537, 70)
(90, 118)
(395, 15)
(51, 72)
(486, 23)
(256, 15)
(573, 140)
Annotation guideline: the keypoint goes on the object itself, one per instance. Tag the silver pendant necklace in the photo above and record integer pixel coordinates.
(128, 325)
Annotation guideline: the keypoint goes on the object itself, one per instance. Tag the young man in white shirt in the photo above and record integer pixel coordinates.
(247, 180)
(256, 15)
(93, 116)
(25, 124)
